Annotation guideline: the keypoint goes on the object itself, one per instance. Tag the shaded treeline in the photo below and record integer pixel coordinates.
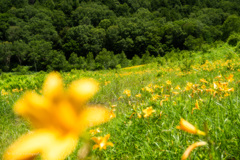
(100, 34)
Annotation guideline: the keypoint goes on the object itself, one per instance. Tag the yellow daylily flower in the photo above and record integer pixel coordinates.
(94, 131)
(148, 111)
(177, 87)
(190, 148)
(138, 95)
(168, 82)
(203, 80)
(58, 117)
(127, 92)
(188, 127)
(230, 78)
(102, 142)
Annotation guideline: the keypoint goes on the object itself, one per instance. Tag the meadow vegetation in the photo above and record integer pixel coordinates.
(146, 103)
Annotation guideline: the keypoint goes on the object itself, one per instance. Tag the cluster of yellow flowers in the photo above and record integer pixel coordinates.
(3, 92)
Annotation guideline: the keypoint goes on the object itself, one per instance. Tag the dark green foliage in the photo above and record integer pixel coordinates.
(136, 60)
(32, 31)
(105, 59)
(122, 60)
(91, 13)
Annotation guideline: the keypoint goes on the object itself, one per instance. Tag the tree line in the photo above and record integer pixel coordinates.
(102, 34)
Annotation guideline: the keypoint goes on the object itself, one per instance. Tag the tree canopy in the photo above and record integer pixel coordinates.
(68, 34)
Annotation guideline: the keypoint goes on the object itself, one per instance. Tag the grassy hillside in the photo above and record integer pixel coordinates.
(203, 89)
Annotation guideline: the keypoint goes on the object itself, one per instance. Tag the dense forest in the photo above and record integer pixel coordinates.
(99, 34)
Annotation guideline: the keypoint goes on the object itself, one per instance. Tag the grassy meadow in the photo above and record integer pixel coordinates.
(202, 89)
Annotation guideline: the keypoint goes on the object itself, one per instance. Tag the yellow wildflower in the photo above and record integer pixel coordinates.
(114, 107)
(127, 92)
(203, 87)
(139, 115)
(231, 90)
(59, 118)
(188, 127)
(112, 115)
(138, 95)
(196, 106)
(189, 86)
(175, 93)
(149, 89)
(148, 111)
(102, 142)
(230, 78)
(120, 98)
(190, 148)
(177, 87)
(203, 80)
(94, 131)
(3, 92)
(168, 82)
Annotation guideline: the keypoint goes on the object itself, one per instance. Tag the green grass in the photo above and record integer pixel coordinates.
(155, 137)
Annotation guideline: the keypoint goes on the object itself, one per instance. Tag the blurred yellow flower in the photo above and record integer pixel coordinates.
(168, 82)
(189, 86)
(196, 106)
(3, 92)
(190, 148)
(177, 87)
(203, 80)
(127, 92)
(120, 98)
(112, 115)
(138, 95)
(107, 82)
(58, 117)
(94, 131)
(230, 78)
(188, 127)
(102, 142)
(139, 115)
(148, 111)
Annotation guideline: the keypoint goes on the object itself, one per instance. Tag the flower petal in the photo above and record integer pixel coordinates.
(190, 148)
(91, 116)
(60, 147)
(28, 146)
(81, 91)
(34, 107)
(53, 86)
(65, 117)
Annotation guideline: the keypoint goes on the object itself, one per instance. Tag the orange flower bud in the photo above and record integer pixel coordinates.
(188, 127)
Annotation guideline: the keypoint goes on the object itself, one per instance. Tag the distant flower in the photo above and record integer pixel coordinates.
(177, 87)
(138, 95)
(175, 93)
(112, 115)
(120, 97)
(196, 106)
(107, 82)
(190, 148)
(94, 131)
(58, 117)
(101, 142)
(139, 115)
(188, 127)
(230, 78)
(3, 92)
(168, 82)
(203, 80)
(127, 92)
(148, 111)
(189, 86)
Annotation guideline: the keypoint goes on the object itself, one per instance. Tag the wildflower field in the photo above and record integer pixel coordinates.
(154, 111)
